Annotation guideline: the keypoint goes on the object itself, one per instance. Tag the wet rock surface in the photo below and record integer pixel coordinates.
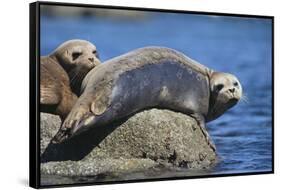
(151, 139)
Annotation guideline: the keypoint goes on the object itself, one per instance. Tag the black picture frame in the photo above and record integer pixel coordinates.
(34, 100)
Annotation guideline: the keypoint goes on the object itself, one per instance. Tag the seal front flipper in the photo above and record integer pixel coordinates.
(49, 87)
(100, 104)
(82, 116)
(74, 121)
(201, 122)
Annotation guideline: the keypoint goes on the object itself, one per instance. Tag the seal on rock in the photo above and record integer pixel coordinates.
(62, 73)
(150, 77)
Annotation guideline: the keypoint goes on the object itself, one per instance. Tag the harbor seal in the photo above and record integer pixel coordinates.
(150, 77)
(61, 75)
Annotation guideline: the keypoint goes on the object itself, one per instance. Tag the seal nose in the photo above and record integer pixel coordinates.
(232, 90)
(91, 59)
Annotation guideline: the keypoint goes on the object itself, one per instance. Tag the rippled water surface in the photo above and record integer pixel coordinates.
(241, 46)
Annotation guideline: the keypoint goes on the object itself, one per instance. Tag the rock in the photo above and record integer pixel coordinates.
(96, 166)
(149, 139)
(49, 126)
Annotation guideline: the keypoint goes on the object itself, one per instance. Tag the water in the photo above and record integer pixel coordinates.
(241, 46)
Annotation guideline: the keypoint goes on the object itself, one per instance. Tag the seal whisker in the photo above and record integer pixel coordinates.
(78, 81)
(74, 77)
(245, 99)
(78, 77)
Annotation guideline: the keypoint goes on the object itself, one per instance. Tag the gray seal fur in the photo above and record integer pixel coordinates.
(150, 77)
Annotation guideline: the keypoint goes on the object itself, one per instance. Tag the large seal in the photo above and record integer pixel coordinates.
(61, 75)
(151, 77)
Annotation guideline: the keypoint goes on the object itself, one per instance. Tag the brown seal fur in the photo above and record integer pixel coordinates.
(61, 75)
(151, 77)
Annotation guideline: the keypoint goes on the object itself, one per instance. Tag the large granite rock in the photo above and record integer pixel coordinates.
(150, 139)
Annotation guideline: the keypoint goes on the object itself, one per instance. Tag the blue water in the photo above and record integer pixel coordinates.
(241, 46)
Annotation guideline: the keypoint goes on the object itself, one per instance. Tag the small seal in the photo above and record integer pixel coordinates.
(61, 75)
(151, 77)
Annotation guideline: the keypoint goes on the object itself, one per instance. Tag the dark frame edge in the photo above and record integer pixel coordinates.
(34, 138)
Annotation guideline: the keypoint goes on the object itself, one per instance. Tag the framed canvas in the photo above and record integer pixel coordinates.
(121, 94)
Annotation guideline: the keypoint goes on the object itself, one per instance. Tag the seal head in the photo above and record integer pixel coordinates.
(77, 57)
(226, 91)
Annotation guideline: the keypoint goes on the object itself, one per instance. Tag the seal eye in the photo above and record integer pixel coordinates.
(235, 84)
(75, 55)
(219, 87)
(96, 53)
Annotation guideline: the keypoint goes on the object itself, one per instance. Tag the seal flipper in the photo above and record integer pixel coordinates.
(201, 122)
(83, 115)
(73, 122)
(98, 107)
(100, 104)
(73, 128)
(48, 95)
(49, 87)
